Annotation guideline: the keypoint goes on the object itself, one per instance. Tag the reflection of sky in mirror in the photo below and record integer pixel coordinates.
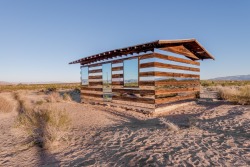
(131, 69)
(106, 72)
(84, 75)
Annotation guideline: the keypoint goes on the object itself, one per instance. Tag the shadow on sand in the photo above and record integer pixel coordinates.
(146, 142)
(44, 158)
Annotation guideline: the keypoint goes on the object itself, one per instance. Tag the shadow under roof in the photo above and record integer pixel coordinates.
(190, 48)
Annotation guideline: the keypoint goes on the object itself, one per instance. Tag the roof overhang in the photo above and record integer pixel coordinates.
(190, 48)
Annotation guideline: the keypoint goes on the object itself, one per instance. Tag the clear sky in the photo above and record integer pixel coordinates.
(39, 38)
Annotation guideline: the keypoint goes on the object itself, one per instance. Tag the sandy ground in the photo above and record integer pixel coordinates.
(211, 134)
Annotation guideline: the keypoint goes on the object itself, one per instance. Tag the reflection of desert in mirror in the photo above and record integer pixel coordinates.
(107, 82)
(131, 73)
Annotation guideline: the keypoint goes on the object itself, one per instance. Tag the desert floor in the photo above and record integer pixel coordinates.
(210, 134)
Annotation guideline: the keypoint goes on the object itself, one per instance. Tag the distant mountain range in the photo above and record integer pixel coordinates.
(234, 78)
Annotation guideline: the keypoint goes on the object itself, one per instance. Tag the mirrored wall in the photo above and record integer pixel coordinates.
(131, 72)
(107, 81)
(85, 75)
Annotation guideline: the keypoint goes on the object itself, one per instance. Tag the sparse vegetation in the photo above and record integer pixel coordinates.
(5, 105)
(238, 95)
(209, 83)
(67, 97)
(39, 86)
(45, 127)
(40, 102)
(54, 97)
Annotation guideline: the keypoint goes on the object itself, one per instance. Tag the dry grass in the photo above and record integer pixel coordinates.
(237, 95)
(54, 97)
(5, 105)
(40, 102)
(39, 86)
(45, 127)
(170, 126)
(67, 97)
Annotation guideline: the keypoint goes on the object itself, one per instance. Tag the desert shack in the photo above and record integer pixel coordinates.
(151, 77)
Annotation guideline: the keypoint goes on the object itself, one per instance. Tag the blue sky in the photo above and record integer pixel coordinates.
(39, 38)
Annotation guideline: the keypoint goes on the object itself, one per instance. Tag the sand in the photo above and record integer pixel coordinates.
(210, 134)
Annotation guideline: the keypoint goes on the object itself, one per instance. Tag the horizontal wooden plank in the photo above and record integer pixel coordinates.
(135, 91)
(141, 87)
(146, 83)
(174, 99)
(167, 74)
(141, 100)
(178, 90)
(117, 82)
(95, 83)
(171, 58)
(117, 68)
(91, 89)
(91, 99)
(95, 71)
(184, 82)
(92, 92)
(91, 95)
(117, 76)
(133, 104)
(95, 77)
(93, 65)
(168, 66)
(117, 61)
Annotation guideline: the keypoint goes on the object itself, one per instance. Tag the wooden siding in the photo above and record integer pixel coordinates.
(117, 68)
(135, 99)
(171, 58)
(95, 71)
(169, 66)
(150, 92)
(178, 90)
(174, 99)
(189, 82)
(167, 74)
(135, 91)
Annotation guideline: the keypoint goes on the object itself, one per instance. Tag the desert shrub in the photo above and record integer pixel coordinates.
(209, 83)
(236, 95)
(5, 105)
(44, 127)
(40, 102)
(51, 89)
(169, 125)
(41, 92)
(22, 104)
(54, 97)
(77, 91)
(39, 86)
(67, 97)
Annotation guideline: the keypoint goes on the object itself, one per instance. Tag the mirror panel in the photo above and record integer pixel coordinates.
(131, 73)
(85, 75)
